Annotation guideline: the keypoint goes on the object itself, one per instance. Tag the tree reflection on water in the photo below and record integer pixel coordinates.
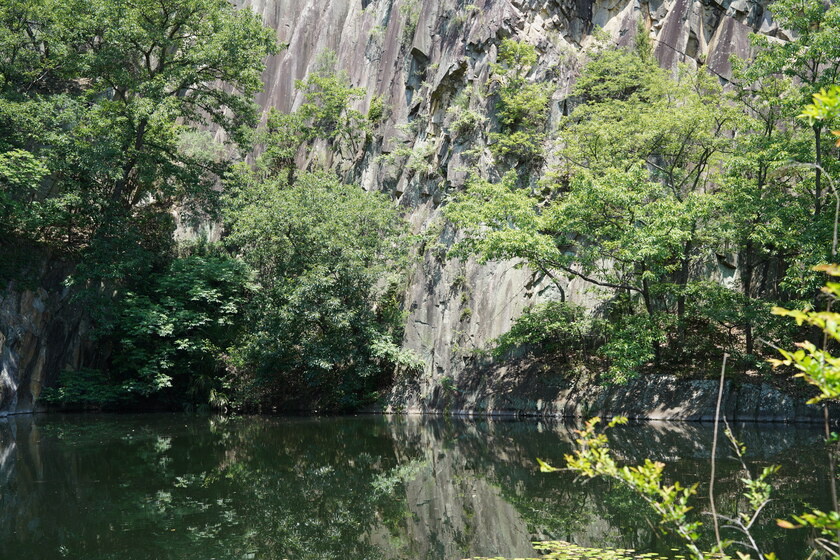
(177, 486)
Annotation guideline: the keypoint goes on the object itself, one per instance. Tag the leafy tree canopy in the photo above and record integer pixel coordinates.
(101, 97)
(328, 257)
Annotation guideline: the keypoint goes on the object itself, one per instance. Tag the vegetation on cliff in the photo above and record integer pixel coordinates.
(106, 110)
(685, 204)
(687, 209)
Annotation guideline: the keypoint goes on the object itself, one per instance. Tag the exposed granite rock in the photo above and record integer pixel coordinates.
(535, 389)
(41, 334)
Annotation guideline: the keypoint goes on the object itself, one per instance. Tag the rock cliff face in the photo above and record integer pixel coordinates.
(418, 56)
(41, 333)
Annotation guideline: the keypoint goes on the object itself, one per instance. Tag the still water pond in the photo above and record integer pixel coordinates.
(370, 487)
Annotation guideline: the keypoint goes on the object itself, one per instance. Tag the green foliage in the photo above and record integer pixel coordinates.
(327, 114)
(415, 158)
(522, 145)
(816, 365)
(21, 176)
(283, 135)
(593, 458)
(410, 10)
(169, 335)
(102, 107)
(644, 44)
(827, 523)
(376, 110)
(774, 188)
(325, 319)
(756, 489)
(500, 221)
(630, 346)
(661, 178)
(651, 151)
(624, 229)
(463, 120)
(388, 482)
(173, 332)
(778, 82)
(585, 233)
(825, 107)
(100, 94)
(328, 111)
(387, 350)
(815, 27)
(555, 326)
(600, 83)
(634, 112)
(523, 106)
(715, 312)
(85, 387)
(418, 157)
(562, 550)
(515, 58)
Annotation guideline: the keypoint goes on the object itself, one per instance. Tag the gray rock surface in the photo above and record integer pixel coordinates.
(536, 389)
(41, 334)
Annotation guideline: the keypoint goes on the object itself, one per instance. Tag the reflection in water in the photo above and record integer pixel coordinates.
(174, 486)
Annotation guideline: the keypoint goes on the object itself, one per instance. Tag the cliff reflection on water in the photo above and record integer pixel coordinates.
(176, 486)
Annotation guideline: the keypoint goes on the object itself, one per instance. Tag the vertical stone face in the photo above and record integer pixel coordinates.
(20, 329)
(730, 39)
(41, 334)
(418, 55)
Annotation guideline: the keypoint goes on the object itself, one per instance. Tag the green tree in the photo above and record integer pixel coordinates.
(105, 108)
(327, 115)
(777, 182)
(328, 111)
(174, 333)
(811, 58)
(627, 210)
(325, 321)
(522, 107)
(168, 337)
(816, 366)
(102, 94)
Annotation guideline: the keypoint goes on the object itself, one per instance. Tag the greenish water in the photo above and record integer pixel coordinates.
(184, 487)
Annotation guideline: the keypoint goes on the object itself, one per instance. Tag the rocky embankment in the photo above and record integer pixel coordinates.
(532, 389)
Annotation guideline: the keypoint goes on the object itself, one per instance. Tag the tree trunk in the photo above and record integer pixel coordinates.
(682, 282)
(746, 283)
(818, 168)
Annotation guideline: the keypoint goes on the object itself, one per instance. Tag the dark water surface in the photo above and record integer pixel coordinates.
(184, 487)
